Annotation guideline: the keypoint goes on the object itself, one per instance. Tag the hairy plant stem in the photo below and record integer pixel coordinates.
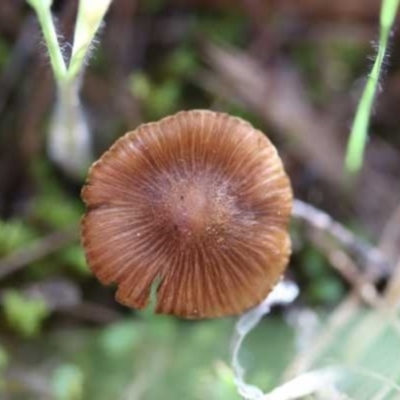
(69, 139)
(43, 12)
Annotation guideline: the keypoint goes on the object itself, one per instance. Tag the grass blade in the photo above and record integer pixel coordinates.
(358, 135)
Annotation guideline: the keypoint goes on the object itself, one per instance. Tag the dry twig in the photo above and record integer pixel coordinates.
(323, 222)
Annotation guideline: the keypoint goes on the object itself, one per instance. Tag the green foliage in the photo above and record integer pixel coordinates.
(57, 210)
(161, 98)
(232, 31)
(3, 364)
(167, 85)
(4, 51)
(182, 62)
(365, 345)
(14, 234)
(67, 382)
(140, 85)
(3, 358)
(267, 351)
(165, 98)
(324, 286)
(324, 77)
(328, 290)
(52, 209)
(162, 357)
(359, 131)
(119, 339)
(73, 257)
(216, 383)
(153, 6)
(24, 314)
(52, 204)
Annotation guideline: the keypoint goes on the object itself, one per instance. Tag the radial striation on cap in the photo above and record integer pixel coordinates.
(199, 200)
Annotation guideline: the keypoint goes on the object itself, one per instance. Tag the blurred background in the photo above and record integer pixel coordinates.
(293, 68)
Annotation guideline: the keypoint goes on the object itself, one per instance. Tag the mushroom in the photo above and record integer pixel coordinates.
(198, 200)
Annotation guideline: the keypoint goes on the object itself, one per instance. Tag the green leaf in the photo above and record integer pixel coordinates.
(3, 358)
(14, 234)
(140, 85)
(119, 338)
(74, 257)
(3, 364)
(68, 382)
(25, 315)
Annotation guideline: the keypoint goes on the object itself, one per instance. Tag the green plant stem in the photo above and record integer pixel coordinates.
(358, 135)
(88, 21)
(69, 137)
(43, 12)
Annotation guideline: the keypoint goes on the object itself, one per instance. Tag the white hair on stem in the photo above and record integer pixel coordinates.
(69, 139)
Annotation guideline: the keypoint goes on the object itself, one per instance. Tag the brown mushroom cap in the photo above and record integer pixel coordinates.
(199, 200)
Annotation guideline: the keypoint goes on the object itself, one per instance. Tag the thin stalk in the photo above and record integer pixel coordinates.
(43, 12)
(358, 135)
